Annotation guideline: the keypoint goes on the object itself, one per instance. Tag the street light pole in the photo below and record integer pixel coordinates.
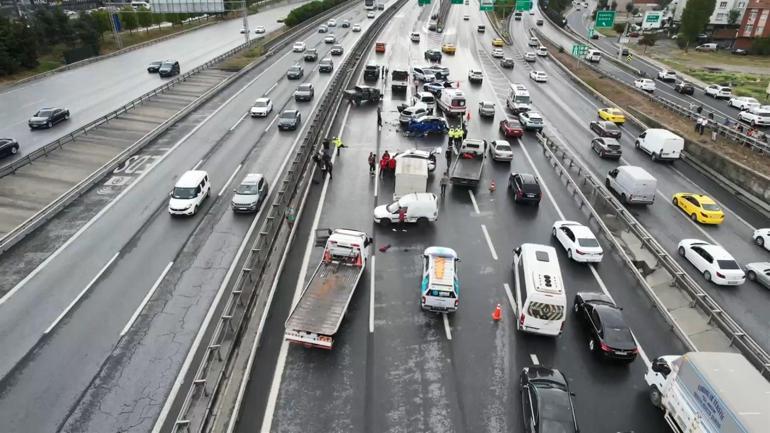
(621, 41)
(245, 21)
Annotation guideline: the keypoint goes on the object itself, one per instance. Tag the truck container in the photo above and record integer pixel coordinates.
(710, 392)
(466, 168)
(317, 315)
(411, 176)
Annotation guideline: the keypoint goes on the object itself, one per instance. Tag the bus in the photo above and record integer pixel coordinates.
(369, 5)
(540, 299)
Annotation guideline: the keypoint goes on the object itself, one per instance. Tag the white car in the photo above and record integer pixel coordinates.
(757, 116)
(762, 238)
(414, 37)
(243, 30)
(332, 23)
(500, 150)
(530, 57)
(533, 42)
(665, 75)
(370, 15)
(716, 91)
(541, 51)
(466, 17)
(759, 272)
(260, 30)
(743, 102)
(486, 109)
(539, 76)
(475, 76)
(356, 28)
(298, 47)
(262, 107)
(578, 240)
(713, 261)
(330, 39)
(531, 120)
(645, 84)
(323, 29)
(497, 53)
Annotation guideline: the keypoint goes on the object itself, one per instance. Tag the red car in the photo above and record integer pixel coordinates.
(511, 128)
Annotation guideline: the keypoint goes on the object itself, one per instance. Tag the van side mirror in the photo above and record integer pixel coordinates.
(613, 172)
(171, 193)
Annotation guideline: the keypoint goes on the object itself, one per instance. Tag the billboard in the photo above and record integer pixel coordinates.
(652, 20)
(188, 6)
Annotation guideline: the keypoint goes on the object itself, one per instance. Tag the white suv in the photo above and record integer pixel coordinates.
(298, 47)
(665, 75)
(531, 120)
(716, 91)
(743, 102)
(645, 84)
(475, 76)
(756, 116)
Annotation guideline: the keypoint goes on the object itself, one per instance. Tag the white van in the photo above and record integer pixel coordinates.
(426, 98)
(593, 56)
(660, 144)
(452, 101)
(440, 287)
(518, 99)
(633, 184)
(420, 207)
(540, 300)
(189, 192)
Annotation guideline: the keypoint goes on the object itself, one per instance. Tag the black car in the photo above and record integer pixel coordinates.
(295, 72)
(289, 119)
(169, 68)
(525, 187)
(539, 22)
(325, 65)
(684, 87)
(154, 67)
(603, 128)
(48, 117)
(311, 55)
(336, 50)
(304, 92)
(594, 35)
(433, 55)
(8, 146)
(609, 334)
(507, 63)
(546, 402)
(372, 72)
(606, 147)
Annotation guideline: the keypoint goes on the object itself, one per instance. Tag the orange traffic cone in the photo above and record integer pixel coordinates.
(498, 313)
(492, 186)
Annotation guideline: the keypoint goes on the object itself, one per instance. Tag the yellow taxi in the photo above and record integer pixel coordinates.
(613, 115)
(699, 207)
(448, 48)
(497, 42)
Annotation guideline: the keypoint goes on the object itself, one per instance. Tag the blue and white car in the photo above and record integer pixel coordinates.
(440, 286)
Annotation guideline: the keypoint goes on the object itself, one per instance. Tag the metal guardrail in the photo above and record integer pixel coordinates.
(196, 408)
(594, 194)
(32, 223)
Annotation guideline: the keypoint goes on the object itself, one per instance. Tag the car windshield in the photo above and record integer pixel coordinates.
(247, 189)
(287, 115)
(305, 87)
(710, 207)
(728, 264)
(260, 103)
(183, 193)
(503, 147)
(294, 69)
(44, 113)
(167, 66)
(588, 242)
(521, 99)
(618, 336)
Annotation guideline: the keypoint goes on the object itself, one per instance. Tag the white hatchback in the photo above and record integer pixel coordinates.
(578, 240)
(712, 261)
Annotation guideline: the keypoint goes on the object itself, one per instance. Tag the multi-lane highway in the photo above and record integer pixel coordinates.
(120, 79)
(95, 335)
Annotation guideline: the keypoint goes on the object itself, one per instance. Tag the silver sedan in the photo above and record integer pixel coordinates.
(759, 272)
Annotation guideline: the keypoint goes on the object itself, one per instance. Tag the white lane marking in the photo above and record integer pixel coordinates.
(198, 165)
(269, 125)
(230, 179)
(542, 181)
(489, 242)
(473, 200)
(80, 295)
(371, 297)
(280, 365)
(447, 329)
(146, 299)
(239, 121)
(376, 180)
(509, 295)
(694, 223)
(533, 358)
(270, 89)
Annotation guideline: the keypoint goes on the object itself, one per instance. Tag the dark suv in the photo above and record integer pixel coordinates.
(684, 87)
(169, 68)
(433, 55)
(295, 72)
(289, 119)
(8, 146)
(304, 92)
(154, 66)
(48, 117)
(326, 65)
(371, 72)
(311, 55)
(546, 402)
(525, 187)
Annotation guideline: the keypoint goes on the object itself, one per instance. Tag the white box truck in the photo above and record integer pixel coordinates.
(710, 392)
(317, 316)
(411, 176)
(660, 144)
(633, 184)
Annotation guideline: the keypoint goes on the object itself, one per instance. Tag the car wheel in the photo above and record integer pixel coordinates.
(553, 232)
(607, 183)
(655, 396)
(385, 221)
(655, 156)
(759, 241)
(67, 116)
(575, 308)
(49, 124)
(681, 251)
(636, 144)
(569, 254)
(591, 345)
(14, 150)
(676, 202)
(422, 221)
(707, 275)
(623, 198)
(694, 217)
(752, 276)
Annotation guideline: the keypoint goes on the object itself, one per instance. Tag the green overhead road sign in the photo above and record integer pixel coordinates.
(457, 2)
(423, 2)
(579, 50)
(523, 5)
(652, 18)
(605, 19)
(486, 5)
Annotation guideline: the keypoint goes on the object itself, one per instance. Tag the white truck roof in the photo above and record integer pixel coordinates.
(637, 172)
(661, 132)
(412, 166)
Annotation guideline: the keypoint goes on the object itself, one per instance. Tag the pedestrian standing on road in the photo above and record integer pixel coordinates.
(379, 118)
(448, 155)
(700, 109)
(338, 144)
(444, 183)
(711, 116)
(465, 131)
(372, 163)
(326, 143)
(697, 124)
(329, 167)
(402, 215)
(702, 125)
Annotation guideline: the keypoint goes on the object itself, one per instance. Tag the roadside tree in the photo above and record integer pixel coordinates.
(695, 17)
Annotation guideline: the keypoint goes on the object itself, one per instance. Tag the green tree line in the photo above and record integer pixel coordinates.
(309, 10)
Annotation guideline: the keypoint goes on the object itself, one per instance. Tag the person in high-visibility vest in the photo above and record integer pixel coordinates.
(337, 142)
